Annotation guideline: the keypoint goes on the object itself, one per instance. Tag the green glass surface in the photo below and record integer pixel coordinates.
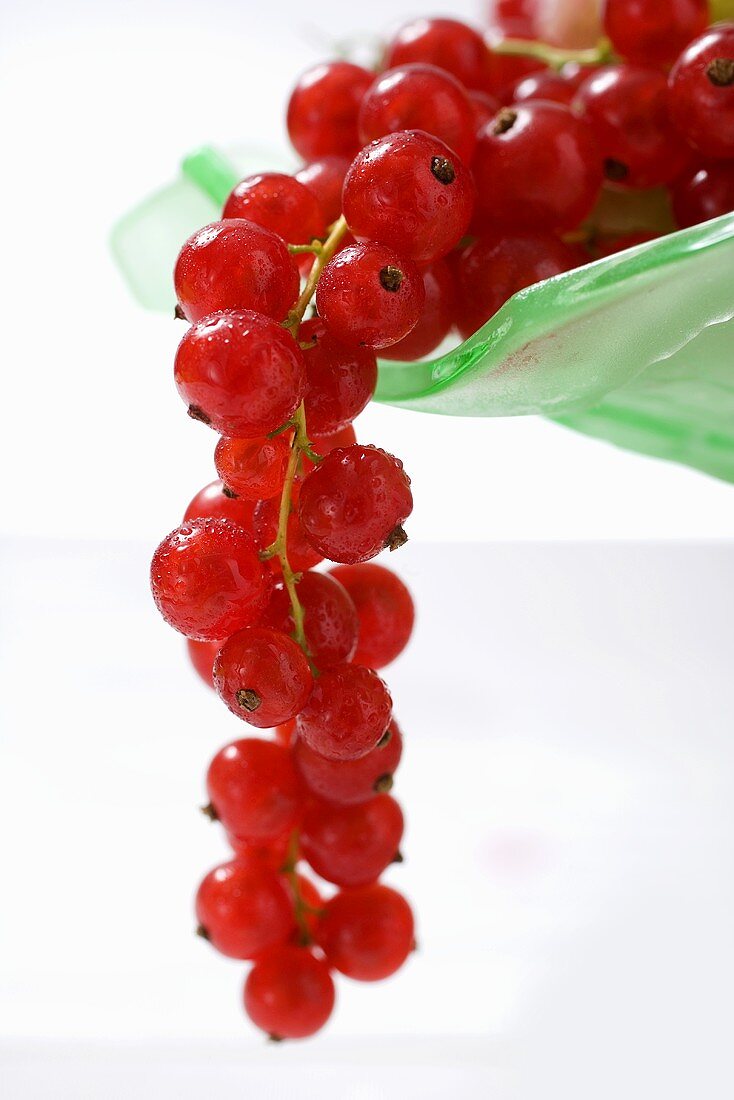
(636, 349)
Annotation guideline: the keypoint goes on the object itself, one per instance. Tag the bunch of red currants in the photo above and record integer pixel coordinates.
(430, 193)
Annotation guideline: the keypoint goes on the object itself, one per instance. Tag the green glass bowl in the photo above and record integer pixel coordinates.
(636, 349)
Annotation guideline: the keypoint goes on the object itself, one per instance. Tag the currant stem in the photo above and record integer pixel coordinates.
(301, 444)
(301, 249)
(553, 57)
(325, 253)
(301, 907)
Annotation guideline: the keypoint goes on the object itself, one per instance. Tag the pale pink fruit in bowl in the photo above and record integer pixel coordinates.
(573, 24)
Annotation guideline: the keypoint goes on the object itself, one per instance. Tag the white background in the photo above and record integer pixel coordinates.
(568, 781)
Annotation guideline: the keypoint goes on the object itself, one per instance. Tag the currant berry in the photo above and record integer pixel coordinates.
(369, 296)
(301, 553)
(279, 203)
(324, 444)
(367, 933)
(704, 192)
(347, 713)
(419, 97)
(263, 676)
(513, 18)
(627, 106)
(576, 75)
(240, 373)
(235, 265)
(253, 468)
(627, 240)
(384, 608)
(340, 380)
(548, 85)
(285, 734)
(212, 502)
(207, 579)
(348, 782)
(651, 33)
(323, 109)
(436, 319)
(485, 107)
(254, 790)
(494, 267)
(537, 166)
(330, 620)
(202, 655)
(446, 43)
(354, 503)
(325, 178)
(352, 845)
(702, 92)
(271, 853)
(409, 191)
(289, 993)
(243, 908)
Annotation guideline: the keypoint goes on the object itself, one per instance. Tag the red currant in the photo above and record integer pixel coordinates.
(325, 178)
(419, 97)
(628, 108)
(354, 503)
(384, 609)
(330, 620)
(271, 853)
(537, 166)
(349, 782)
(485, 107)
(367, 933)
(254, 790)
(627, 240)
(301, 553)
(285, 734)
(411, 192)
(704, 192)
(280, 203)
(347, 713)
(352, 845)
(493, 268)
(446, 43)
(323, 109)
(253, 468)
(436, 319)
(324, 444)
(289, 993)
(240, 373)
(235, 265)
(212, 502)
(263, 676)
(201, 655)
(369, 296)
(207, 579)
(548, 85)
(702, 92)
(651, 32)
(340, 380)
(243, 908)
(513, 18)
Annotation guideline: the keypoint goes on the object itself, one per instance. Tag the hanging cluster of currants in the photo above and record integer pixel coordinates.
(430, 193)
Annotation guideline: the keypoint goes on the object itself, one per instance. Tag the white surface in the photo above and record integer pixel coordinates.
(104, 99)
(568, 788)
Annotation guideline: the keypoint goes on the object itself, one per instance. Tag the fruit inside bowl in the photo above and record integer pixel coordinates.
(636, 348)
